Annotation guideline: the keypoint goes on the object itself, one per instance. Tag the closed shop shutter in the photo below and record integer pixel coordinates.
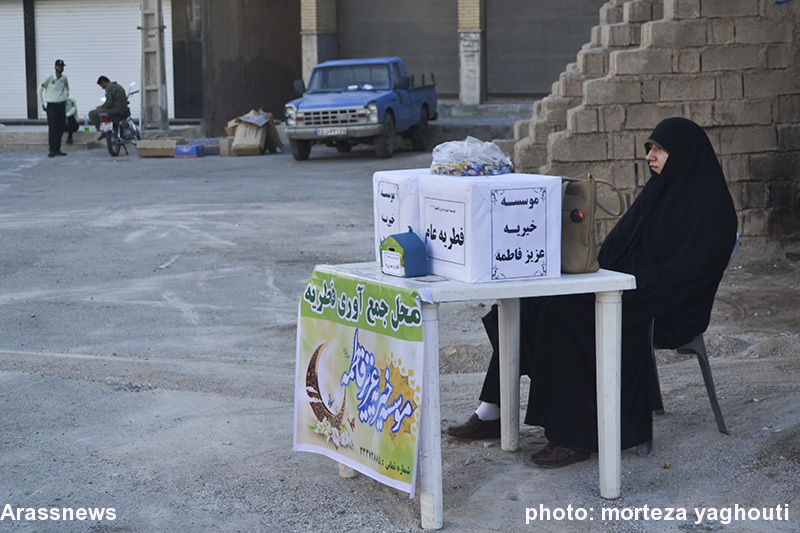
(13, 97)
(94, 38)
(529, 43)
(422, 33)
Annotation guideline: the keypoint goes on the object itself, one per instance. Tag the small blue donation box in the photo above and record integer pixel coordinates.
(404, 255)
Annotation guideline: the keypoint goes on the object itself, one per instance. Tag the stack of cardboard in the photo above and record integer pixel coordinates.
(252, 134)
(225, 145)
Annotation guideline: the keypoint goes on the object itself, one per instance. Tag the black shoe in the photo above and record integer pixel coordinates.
(69, 139)
(476, 429)
(554, 456)
(102, 136)
(60, 153)
(51, 154)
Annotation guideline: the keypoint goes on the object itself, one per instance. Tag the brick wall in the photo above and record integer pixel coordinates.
(471, 15)
(732, 66)
(318, 16)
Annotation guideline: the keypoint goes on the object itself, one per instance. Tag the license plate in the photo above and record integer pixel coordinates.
(331, 131)
(106, 126)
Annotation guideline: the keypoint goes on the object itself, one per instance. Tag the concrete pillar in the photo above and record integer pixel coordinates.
(472, 51)
(155, 114)
(318, 33)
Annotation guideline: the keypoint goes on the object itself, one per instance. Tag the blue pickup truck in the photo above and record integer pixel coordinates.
(359, 101)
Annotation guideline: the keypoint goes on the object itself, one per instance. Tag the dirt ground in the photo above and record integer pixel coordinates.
(754, 346)
(147, 362)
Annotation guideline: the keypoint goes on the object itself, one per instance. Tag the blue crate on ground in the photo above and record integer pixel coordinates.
(189, 150)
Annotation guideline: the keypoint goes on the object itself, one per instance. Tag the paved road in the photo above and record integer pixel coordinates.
(147, 312)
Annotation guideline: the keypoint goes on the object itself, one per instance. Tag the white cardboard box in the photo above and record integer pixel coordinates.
(491, 228)
(396, 203)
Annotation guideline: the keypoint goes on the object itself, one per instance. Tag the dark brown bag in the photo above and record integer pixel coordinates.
(578, 225)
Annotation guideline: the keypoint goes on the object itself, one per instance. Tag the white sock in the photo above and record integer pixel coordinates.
(488, 411)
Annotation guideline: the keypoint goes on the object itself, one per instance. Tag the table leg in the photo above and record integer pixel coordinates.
(608, 336)
(346, 472)
(508, 325)
(430, 438)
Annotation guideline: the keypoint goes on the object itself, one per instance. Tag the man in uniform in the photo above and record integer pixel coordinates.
(116, 104)
(72, 119)
(53, 93)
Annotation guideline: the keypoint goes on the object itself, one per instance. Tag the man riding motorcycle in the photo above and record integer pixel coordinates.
(116, 104)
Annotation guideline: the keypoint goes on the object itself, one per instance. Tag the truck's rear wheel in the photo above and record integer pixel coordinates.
(300, 149)
(384, 143)
(419, 133)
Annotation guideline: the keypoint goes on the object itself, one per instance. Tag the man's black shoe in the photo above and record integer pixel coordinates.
(60, 153)
(51, 154)
(102, 136)
(69, 139)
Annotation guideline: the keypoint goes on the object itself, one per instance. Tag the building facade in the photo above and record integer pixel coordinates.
(475, 49)
(225, 58)
(93, 37)
(222, 59)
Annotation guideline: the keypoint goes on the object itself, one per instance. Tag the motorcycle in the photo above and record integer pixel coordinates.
(122, 130)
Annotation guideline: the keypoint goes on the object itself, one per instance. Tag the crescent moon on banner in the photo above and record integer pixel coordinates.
(312, 389)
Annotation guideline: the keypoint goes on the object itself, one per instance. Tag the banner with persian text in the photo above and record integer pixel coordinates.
(358, 382)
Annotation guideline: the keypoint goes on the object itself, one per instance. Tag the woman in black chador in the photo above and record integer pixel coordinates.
(676, 238)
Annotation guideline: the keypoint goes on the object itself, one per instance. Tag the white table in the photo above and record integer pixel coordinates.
(606, 285)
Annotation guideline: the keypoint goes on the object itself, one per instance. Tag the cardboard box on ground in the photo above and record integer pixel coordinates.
(253, 133)
(225, 145)
(158, 147)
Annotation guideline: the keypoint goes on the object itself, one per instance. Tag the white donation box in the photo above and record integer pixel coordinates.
(491, 228)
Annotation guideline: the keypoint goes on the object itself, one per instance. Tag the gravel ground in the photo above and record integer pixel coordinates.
(147, 311)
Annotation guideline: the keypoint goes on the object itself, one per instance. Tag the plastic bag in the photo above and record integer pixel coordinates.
(470, 157)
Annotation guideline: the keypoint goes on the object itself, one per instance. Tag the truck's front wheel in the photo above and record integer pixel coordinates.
(300, 149)
(384, 143)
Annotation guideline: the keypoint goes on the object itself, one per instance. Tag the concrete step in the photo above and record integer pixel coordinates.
(454, 129)
(44, 145)
(36, 137)
(452, 125)
(486, 111)
(488, 121)
(444, 130)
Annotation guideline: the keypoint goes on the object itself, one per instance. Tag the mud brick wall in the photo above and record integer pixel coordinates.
(732, 66)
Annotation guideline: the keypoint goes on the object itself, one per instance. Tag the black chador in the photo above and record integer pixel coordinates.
(677, 239)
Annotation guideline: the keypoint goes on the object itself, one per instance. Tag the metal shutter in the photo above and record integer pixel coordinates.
(529, 43)
(94, 38)
(422, 33)
(13, 95)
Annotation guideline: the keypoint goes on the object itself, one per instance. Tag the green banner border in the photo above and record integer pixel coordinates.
(373, 306)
